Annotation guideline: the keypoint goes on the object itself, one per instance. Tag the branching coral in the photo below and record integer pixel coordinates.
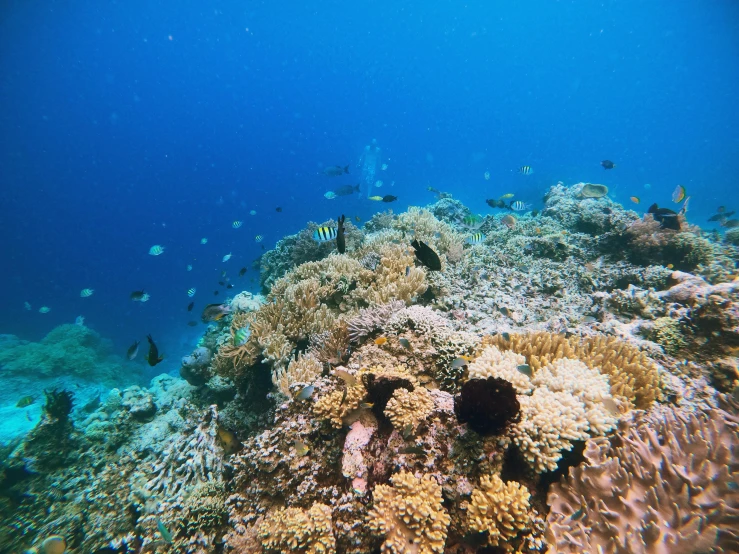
(493, 363)
(666, 486)
(410, 515)
(303, 370)
(371, 319)
(406, 409)
(498, 508)
(296, 530)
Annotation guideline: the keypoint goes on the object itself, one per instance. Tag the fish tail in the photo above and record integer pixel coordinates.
(346, 169)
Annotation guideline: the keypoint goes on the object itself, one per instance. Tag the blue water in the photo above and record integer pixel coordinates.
(129, 124)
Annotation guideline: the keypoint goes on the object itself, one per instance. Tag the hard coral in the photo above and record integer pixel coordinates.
(296, 530)
(410, 514)
(667, 486)
(498, 508)
(488, 406)
(650, 243)
(406, 409)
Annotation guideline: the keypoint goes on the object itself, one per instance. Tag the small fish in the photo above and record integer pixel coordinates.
(133, 350)
(86, 293)
(330, 195)
(192, 323)
(519, 206)
(634, 199)
(237, 224)
(137, 295)
(24, 401)
(242, 271)
(477, 238)
(413, 450)
(190, 306)
(214, 312)
(229, 286)
(346, 190)
(486, 175)
(720, 209)
(389, 198)
(191, 292)
(305, 393)
(367, 405)
(226, 257)
(670, 266)
(525, 170)
(506, 336)
(301, 449)
(383, 167)
(378, 184)
(507, 196)
(505, 311)
(526, 370)
(357, 218)
(607, 164)
(405, 343)
(223, 273)
(252, 212)
(203, 241)
(407, 270)
(611, 405)
(493, 203)
(347, 377)
(678, 194)
(665, 217)
(145, 297)
(44, 310)
(376, 198)
(340, 238)
(27, 306)
(380, 341)
(325, 234)
(79, 320)
(258, 238)
(335, 170)
(222, 283)
(589, 319)
(153, 356)
(241, 336)
(278, 209)
(426, 255)
(216, 293)
(719, 217)
(156, 250)
(730, 224)
(164, 532)
(407, 431)
(509, 221)
(459, 362)
(189, 267)
(578, 514)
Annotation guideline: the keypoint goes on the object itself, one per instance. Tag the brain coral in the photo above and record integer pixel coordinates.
(501, 509)
(296, 530)
(410, 515)
(669, 485)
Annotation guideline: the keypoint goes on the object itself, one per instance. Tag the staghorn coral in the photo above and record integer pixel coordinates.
(410, 515)
(295, 530)
(668, 485)
(406, 409)
(498, 508)
(303, 370)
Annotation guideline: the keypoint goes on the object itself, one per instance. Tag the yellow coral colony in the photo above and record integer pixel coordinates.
(296, 530)
(410, 515)
(501, 509)
(409, 408)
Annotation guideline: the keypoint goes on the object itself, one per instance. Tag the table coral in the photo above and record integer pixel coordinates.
(666, 486)
(410, 514)
(498, 508)
(296, 530)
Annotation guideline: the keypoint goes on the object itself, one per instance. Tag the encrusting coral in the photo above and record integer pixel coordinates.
(295, 530)
(668, 485)
(499, 509)
(410, 514)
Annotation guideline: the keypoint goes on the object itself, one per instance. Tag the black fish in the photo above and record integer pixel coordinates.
(192, 323)
(731, 224)
(229, 286)
(153, 357)
(607, 164)
(223, 284)
(340, 239)
(215, 292)
(137, 295)
(346, 190)
(242, 271)
(133, 350)
(389, 198)
(666, 217)
(493, 203)
(278, 209)
(426, 255)
(190, 306)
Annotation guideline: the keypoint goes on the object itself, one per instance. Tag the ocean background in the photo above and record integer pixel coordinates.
(129, 124)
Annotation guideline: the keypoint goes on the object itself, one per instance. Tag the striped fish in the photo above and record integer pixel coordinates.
(477, 238)
(324, 234)
(526, 170)
(519, 206)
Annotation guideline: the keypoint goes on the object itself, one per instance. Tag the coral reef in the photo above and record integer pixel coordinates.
(295, 530)
(499, 509)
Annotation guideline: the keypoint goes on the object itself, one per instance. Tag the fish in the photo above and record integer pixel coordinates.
(156, 250)
(459, 362)
(506, 336)
(242, 271)
(684, 209)
(204, 241)
(721, 217)
(301, 449)
(252, 212)
(226, 257)
(407, 270)
(278, 209)
(346, 190)
(189, 267)
(340, 238)
(720, 209)
(383, 167)
(413, 450)
(493, 203)
(335, 170)
(678, 194)
(79, 320)
(405, 343)
(236, 224)
(347, 377)
(666, 217)
(146, 297)
(519, 206)
(214, 312)
(407, 431)
(486, 175)
(389, 198)
(305, 393)
(86, 293)
(375, 198)
(190, 306)
(44, 310)
(241, 336)
(378, 184)
(330, 195)
(133, 350)
(730, 224)
(258, 238)
(324, 234)
(153, 356)
(526, 370)
(426, 255)
(507, 196)
(24, 401)
(137, 295)
(229, 286)
(357, 218)
(611, 405)
(27, 306)
(191, 292)
(509, 221)
(526, 170)
(477, 238)
(222, 283)
(505, 311)
(607, 164)
(380, 341)
(367, 405)
(163, 531)
(192, 323)
(472, 221)
(216, 293)
(634, 199)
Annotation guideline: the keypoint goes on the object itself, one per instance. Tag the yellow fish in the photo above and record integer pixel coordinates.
(507, 195)
(634, 199)
(376, 198)
(25, 401)
(380, 341)
(301, 449)
(678, 194)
